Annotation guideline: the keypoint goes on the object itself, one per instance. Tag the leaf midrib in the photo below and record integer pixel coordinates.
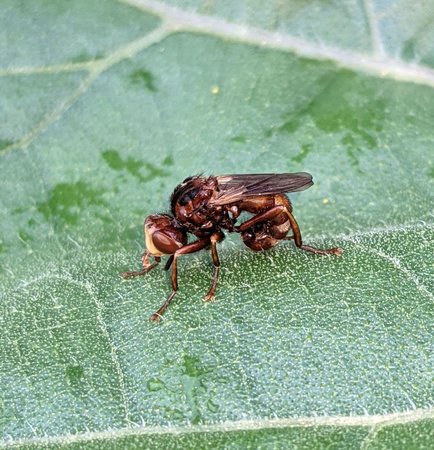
(370, 421)
(376, 63)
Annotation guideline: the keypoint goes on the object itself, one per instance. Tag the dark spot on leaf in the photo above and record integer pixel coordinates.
(194, 387)
(19, 210)
(294, 119)
(408, 51)
(176, 414)
(67, 200)
(74, 374)
(168, 160)
(192, 367)
(154, 384)
(5, 143)
(305, 150)
(239, 139)
(431, 172)
(114, 161)
(144, 78)
(345, 103)
(133, 166)
(353, 150)
(268, 133)
(86, 57)
(2, 247)
(212, 407)
(289, 126)
(427, 60)
(348, 104)
(196, 419)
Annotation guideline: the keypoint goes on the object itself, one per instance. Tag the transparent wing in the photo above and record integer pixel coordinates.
(233, 188)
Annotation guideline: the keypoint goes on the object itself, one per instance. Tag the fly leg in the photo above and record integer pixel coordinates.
(308, 248)
(189, 248)
(274, 212)
(261, 217)
(146, 264)
(216, 237)
(169, 263)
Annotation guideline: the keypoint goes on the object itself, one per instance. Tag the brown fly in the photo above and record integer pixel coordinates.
(207, 206)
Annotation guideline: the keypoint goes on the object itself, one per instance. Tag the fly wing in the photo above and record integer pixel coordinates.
(233, 188)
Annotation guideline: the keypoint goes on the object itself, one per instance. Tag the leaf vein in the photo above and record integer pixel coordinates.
(377, 44)
(377, 65)
(397, 264)
(97, 69)
(372, 421)
(104, 330)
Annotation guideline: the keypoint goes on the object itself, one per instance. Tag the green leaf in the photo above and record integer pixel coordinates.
(106, 107)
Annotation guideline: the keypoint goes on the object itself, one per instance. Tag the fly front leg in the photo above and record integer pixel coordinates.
(146, 264)
(168, 263)
(215, 238)
(308, 248)
(189, 248)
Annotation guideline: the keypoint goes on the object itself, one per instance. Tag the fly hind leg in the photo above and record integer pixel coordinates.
(308, 248)
(216, 237)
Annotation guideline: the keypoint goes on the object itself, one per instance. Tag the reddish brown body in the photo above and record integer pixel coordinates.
(208, 206)
(267, 234)
(194, 211)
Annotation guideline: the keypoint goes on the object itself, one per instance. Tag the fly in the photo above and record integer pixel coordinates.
(207, 206)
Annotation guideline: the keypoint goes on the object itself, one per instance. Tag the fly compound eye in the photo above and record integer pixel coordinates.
(163, 239)
(165, 243)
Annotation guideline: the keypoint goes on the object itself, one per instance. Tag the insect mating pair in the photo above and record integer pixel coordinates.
(205, 206)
